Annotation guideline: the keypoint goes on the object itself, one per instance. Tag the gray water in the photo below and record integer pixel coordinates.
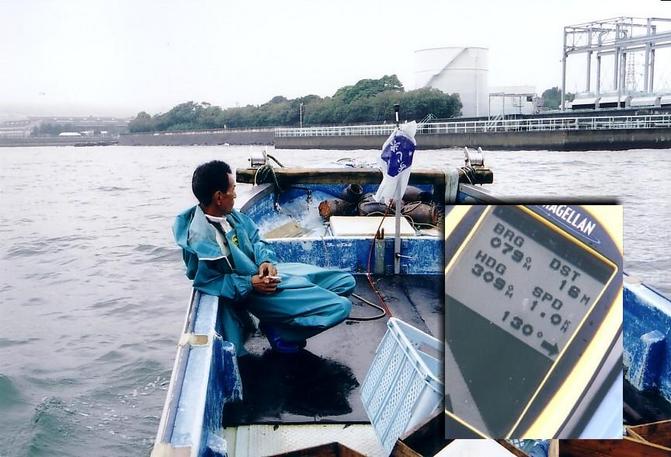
(93, 294)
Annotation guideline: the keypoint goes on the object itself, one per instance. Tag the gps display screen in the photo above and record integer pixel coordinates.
(514, 298)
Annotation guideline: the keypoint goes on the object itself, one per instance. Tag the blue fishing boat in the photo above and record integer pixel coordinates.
(263, 404)
(215, 407)
(647, 352)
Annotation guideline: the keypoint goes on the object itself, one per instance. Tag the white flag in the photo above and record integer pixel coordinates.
(396, 161)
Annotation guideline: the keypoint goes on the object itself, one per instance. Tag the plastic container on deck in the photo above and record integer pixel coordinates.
(403, 386)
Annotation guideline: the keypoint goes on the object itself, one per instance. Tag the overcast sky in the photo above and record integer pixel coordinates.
(118, 57)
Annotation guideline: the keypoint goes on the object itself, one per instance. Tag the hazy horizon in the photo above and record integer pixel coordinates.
(88, 57)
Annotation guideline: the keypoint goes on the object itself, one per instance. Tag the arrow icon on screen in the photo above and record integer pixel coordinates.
(551, 348)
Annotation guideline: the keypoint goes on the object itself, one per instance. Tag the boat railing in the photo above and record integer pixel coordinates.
(492, 125)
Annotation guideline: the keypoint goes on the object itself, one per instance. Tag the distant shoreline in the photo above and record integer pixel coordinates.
(58, 141)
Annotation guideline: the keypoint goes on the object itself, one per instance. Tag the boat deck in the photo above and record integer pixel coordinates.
(321, 384)
(644, 407)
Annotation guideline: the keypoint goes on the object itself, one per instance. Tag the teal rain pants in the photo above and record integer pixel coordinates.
(308, 301)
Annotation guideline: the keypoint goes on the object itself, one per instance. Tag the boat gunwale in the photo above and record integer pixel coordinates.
(169, 413)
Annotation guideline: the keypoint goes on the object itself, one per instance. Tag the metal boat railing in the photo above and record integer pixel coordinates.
(493, 125)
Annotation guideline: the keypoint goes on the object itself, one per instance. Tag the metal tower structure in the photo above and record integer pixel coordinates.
(617, 37)
(630, 74)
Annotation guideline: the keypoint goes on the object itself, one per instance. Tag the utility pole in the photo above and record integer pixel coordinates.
(300, 114)
(563, 71)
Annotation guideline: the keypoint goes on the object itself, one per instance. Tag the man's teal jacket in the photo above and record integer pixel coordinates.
(205, 263)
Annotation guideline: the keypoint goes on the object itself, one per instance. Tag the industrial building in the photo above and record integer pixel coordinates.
(620, 66)
(627, 47)
(508, 100)
(86, 125)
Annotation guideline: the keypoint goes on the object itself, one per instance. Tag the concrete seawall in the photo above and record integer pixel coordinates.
(199, 138)
(565, 140)
(557, 140)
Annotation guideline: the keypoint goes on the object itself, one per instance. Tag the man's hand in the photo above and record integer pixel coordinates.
(264, 285)
(267, 269)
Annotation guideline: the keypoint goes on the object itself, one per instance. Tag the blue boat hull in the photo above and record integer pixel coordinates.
(205, 376)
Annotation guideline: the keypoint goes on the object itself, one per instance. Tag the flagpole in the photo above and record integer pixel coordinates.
(397, 235)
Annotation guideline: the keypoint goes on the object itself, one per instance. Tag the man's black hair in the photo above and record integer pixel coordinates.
(209, 178)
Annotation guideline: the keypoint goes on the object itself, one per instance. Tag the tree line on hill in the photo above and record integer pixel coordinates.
(367, 101)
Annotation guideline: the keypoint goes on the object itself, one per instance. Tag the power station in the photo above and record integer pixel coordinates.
(619, 70)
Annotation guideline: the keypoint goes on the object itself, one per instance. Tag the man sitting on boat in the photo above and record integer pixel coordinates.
(226, 257)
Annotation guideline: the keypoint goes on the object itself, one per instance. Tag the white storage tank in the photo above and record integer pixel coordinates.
(461, 70)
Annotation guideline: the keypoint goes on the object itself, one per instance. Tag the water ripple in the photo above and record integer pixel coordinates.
(6, 342)
(111, 188)
(47, 245)
(109, 302)
(10, 394)
(157, 253)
